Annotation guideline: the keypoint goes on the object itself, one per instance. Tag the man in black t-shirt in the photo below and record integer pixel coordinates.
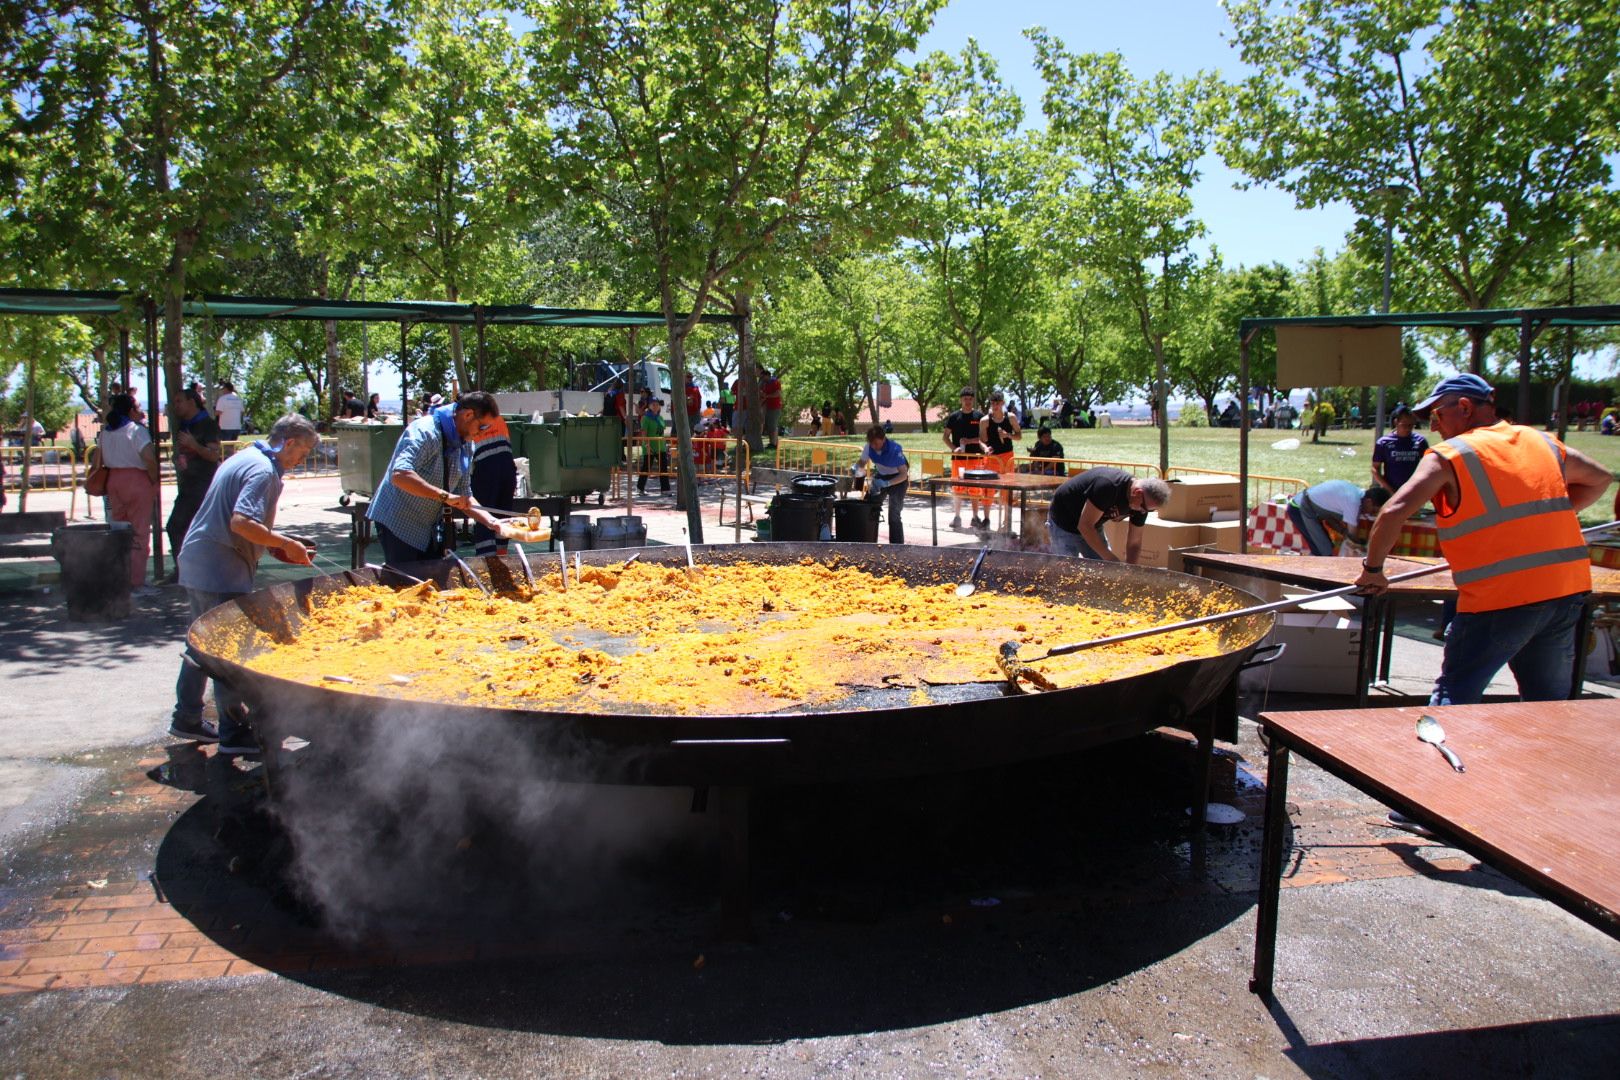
(1082, 503)
(962, 437)
(1045, 447)
(197, 454)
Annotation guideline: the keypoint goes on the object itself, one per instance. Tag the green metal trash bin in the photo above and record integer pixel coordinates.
(364, 451)
(571, 456)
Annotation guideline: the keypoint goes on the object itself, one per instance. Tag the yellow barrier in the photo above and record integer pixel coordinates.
(51, 467)
(322, 461)
(813, 456)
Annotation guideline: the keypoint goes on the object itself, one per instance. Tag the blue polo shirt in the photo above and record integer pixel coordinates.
(886, 463)
(427, 446)
(213, 558)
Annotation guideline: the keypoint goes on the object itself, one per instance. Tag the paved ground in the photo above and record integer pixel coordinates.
(1046, 920)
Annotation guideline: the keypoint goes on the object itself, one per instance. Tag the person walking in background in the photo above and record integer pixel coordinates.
(197, 455)
(228, 412)
(494, 481)
(694, 403)
(126, 450)
(1507, 499)
(770, 393)
(654, 448)
(728, 404)
(1396, 454)
(219, 560)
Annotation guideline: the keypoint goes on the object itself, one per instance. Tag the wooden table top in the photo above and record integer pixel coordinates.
(1004, 482)
(1328, 571)
(1540, 799)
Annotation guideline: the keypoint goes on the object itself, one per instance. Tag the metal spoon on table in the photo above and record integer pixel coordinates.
(971, 585)
(1430, 731)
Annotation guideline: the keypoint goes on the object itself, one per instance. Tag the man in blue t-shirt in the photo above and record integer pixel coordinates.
(891, 475)
(231, 529)
(1396, 455)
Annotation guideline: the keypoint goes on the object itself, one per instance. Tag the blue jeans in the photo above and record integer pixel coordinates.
(1063, 542)
(895, 496)
(1536, 642)
(1311, 527)
(193, 681)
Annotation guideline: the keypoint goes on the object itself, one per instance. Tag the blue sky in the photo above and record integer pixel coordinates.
(1181, 37)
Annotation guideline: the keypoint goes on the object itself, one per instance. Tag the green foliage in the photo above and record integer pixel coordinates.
(1192, 416)
(1498, 119)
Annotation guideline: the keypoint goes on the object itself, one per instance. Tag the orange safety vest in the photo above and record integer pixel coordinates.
(1512, 538)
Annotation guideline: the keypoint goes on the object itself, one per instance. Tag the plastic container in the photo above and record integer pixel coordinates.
(855, 521)
(815, 485)
(95, 568)
(364, 451)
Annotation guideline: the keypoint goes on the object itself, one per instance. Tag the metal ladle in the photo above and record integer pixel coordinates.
(971, 585)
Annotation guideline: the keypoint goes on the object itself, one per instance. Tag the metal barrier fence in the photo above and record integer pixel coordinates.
(51, 467)
(322, 461)
(811, 456)
(713, 458)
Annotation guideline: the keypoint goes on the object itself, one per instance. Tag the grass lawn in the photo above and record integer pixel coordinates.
(1343, 455)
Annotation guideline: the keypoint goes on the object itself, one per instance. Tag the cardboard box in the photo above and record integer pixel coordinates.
(1323, 642)
(1222, 535)
(1160, 536)
(1193, 498)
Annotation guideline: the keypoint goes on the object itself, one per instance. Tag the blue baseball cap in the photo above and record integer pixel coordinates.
(1465, 385)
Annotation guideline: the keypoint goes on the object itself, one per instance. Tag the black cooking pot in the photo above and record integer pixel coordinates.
(872, 733)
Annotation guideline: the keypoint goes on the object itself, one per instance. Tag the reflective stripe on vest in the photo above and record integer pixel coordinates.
(1512, 537)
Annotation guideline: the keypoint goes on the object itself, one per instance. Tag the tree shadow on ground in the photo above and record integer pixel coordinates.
(38, 639)
(875, 907)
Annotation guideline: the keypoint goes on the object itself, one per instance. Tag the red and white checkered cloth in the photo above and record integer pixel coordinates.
(1270, 529)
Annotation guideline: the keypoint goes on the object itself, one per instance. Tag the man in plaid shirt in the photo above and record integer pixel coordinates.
(429, 472)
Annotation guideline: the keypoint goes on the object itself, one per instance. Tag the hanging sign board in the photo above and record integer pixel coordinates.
(1339, 356)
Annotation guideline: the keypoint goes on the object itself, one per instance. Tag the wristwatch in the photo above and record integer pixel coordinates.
(1379, 569)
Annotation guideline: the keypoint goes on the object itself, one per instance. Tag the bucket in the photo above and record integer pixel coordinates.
(855, 521)
(576, 533)
(815, 485)
(800, 517)
(95, 568)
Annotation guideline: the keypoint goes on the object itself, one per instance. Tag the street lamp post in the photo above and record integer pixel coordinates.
(1393, 196)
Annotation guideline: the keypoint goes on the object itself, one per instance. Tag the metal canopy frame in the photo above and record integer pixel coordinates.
(85, 303)
(1530, 322)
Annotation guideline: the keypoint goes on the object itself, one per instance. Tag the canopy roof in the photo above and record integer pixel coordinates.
(81, 302)
(1595, 315)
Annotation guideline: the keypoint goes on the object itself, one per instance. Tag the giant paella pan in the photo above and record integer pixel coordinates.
(759, 664)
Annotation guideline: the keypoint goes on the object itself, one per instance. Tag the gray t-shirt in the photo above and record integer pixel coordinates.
(213, 558)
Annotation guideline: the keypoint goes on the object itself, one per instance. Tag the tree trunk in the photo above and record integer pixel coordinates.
(742, 306)
(174, 294)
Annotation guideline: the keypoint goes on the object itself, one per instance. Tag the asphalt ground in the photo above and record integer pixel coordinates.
(1051, 919)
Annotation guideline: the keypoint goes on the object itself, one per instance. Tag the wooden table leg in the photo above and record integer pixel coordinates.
(1271, 856)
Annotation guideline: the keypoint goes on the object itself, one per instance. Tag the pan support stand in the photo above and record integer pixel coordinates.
(736, 885)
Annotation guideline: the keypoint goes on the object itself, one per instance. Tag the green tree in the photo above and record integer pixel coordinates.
(1134, 147)
(701, 139)
(152, 122)
(976, 206)
(1498, 118)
